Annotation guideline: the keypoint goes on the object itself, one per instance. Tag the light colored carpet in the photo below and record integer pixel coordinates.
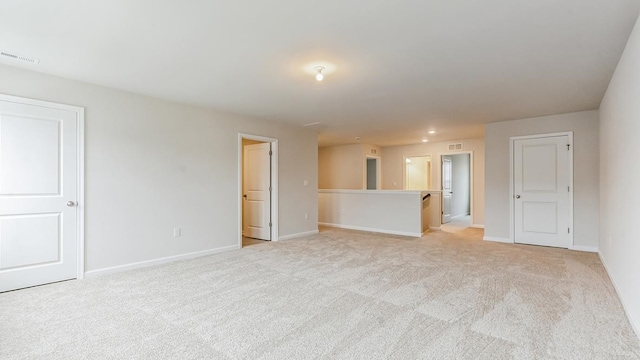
(337, 295)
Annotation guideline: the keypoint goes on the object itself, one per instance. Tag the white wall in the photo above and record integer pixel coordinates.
(460, 175)
(391, 212)
(344, 166)
(585, 177)
(152, 165)
(393, 167)
(620, 179)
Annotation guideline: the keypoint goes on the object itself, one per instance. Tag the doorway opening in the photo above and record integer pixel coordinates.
(372, 173)
(417, 172)
(257, 189)
(457, 189)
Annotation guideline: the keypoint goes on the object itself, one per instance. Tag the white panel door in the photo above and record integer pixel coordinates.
(447, 194)
(38, 195)
(541, 191)
(257, 191)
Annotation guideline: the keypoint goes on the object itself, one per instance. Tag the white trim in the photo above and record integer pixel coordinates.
(471, 178)
(164, 260)
(274, 183)
(497, 239)
(593, 249)
(361, 228)
(80, 261)
(634, 326)
(512, 140)
(299, 235)
(435, 227)
(477, 226)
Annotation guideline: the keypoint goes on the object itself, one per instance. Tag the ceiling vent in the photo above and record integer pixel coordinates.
(455, 147)
(19, 57)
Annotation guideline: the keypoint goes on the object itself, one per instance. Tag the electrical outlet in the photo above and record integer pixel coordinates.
(306, 216)
(177, 232)
(305, 183)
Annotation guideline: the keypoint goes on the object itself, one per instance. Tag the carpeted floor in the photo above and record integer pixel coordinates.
(337, 295)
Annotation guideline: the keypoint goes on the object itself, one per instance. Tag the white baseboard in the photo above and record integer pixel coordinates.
(293, 236)
(477, 226)
(497, 239)
(634, 326)
(593, 249)
(164, 260)
(434, 227)
(361, 228)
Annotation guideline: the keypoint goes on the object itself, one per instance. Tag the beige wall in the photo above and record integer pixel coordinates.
(620, 179)
(585, 177)
(152, 165)
(393, 168)
(344, 166)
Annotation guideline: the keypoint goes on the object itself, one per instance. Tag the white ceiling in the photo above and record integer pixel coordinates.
(401, 67)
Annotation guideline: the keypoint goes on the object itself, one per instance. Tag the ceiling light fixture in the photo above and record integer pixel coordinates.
(432, 132)
(424, 140)
(318, 70)
(408, 161)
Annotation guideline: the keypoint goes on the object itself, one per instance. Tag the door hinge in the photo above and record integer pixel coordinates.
(568, 188)
(568, 146)
(568, 231)
(442, 212)
(270, 152)
(270, 224)
(269, 188)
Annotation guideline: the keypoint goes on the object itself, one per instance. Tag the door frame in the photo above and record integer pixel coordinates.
(274, 183)
(512, 140)
(80, 206)
(378, 171)
(471, 181)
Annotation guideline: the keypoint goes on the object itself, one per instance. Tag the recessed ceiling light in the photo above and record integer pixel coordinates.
(432, 132)
(408, 161)
(424, 140)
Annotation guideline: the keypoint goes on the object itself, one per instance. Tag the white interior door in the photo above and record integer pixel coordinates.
(447, 194)
(541, 191)
(257, 191)
(38, 195)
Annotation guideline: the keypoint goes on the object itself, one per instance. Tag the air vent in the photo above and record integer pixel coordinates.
(374, 151)
(19, 57)
(455, 147)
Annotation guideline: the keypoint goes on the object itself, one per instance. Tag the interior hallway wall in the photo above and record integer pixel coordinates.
(460, 178)
(152, 165)
(344, 166)
(620, 179)
(585, 177)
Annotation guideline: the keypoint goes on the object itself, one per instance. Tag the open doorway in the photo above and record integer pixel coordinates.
(372, 173)
(417, 172)
(258, 191)
(457, 188)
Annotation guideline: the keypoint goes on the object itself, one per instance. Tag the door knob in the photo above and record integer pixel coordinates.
(517, 196)
(244, 196)
(71, 204)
